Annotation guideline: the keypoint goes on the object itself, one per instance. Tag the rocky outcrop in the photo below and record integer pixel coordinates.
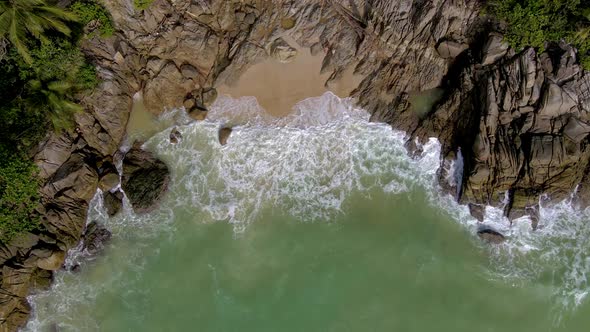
(145, 179)
(520, 118)
(521, 123)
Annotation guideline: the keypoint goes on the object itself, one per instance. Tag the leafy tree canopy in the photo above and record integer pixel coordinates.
(535, 22)
(22, 18)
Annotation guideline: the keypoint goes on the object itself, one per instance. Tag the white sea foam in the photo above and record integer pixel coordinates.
(308, 164)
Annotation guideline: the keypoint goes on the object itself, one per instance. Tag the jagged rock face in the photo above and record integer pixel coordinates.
(145, 179)
(521, 123)
(175, 50)
(399, 53)
(532, 130)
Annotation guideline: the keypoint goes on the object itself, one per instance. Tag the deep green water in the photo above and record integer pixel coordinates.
(308, 225)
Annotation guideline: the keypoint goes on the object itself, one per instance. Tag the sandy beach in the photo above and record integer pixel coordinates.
(279, 86)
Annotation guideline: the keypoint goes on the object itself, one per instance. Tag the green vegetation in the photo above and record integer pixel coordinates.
(23, 19)
(534, 22)
(42, 73)
(18, 198)
(142, 4)
(89, 11)
(58, 71)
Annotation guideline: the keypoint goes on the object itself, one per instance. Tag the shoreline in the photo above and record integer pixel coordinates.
(279, 86)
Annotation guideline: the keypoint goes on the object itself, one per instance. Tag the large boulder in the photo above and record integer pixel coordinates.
(113, 202)
(490, 235)
(95, 237)
(145, 178)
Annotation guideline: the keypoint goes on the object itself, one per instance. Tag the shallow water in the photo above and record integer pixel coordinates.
(319, 221)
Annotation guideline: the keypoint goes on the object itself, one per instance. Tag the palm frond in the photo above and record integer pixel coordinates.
(71, 107)
(35, 84)
(15, 36)
(59, 14)
(19, 18)
(5, 21)
(51, 23)
(60, 87)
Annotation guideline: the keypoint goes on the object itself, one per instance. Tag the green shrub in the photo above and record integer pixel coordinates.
(534, 22)
(57, 72)
(90, 10)
(56, 59)
(86, 78)
(21, 126)
(18, 197)
(142, 4)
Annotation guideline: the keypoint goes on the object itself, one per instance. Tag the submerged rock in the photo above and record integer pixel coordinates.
(41, 279)
(224, 134)
(477, 211)
(145, 179)
(113, 202)
(490, 235)
(175, 136)
(95, 237)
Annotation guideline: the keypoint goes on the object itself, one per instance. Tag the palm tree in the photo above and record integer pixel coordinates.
(53, 96)
(21, 18)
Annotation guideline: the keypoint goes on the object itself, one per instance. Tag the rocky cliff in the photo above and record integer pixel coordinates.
(520, 119)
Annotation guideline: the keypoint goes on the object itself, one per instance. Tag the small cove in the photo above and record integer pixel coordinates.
(317, 221)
